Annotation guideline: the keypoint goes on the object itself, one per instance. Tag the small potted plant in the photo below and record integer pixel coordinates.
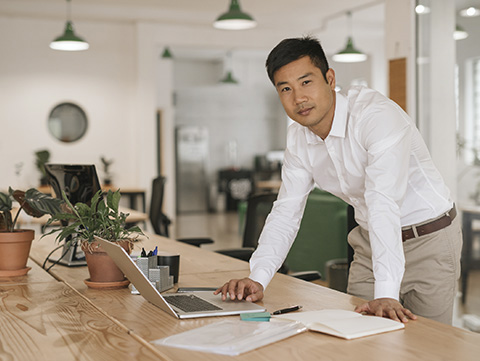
(15, 243)
(101, 218)
(41, 158)
(106, 169)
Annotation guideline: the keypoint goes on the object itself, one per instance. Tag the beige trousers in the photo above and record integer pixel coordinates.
(432, 270)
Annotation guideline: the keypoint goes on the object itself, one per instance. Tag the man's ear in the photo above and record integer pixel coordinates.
(330, 78)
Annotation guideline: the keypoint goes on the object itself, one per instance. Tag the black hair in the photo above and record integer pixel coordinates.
(289, 50)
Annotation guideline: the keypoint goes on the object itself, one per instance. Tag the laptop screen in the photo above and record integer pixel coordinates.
(79, 181)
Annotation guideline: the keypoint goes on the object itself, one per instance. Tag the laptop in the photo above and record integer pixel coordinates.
(78, 181)
(179, 305)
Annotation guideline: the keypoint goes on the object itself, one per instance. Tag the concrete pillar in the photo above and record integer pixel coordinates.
(434, 113)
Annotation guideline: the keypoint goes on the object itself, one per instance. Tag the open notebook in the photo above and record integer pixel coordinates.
(342, 323)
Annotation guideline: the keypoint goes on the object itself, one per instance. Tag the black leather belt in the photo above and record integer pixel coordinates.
(430, 227)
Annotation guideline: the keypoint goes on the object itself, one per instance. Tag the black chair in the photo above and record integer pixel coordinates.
(161, 222)
(258, 208)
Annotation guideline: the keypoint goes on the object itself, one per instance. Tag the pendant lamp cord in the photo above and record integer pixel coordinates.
(349, 23)
(69, 11)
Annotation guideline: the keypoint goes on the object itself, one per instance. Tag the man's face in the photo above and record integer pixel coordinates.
(306, 96)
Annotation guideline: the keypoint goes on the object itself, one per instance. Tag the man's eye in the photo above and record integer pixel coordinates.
(285, 89)
(305, 82)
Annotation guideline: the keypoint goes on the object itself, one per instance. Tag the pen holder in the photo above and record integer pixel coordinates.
(166, 259)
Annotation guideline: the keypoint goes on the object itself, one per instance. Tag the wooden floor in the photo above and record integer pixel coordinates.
(223, 228)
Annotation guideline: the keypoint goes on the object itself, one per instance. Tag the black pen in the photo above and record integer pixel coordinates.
(287, 310)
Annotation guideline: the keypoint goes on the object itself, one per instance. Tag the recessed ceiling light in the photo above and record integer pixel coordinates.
(470, 12)
(422, 9)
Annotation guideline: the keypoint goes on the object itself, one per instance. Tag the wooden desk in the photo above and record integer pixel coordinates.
(421, 340)
(43, 319)
(193, 260)
(133, 217)
(131, 193)
(272, 185)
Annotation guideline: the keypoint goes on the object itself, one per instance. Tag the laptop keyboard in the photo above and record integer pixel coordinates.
(191, 303)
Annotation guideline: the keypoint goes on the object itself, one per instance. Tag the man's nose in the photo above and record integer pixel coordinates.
(300, 97)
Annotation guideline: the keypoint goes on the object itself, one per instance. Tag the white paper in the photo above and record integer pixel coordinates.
(231, 337)
(342, 323)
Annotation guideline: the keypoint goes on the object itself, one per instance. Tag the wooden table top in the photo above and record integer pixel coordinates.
(43, 319)
(420, 340)
(134, 216)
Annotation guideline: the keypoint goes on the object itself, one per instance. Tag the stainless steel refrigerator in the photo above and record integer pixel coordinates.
(191, 165)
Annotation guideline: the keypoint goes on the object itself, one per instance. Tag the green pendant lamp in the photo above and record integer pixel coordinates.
(234, 19)
(229, 79)
(349, 54)
(68, 41)
(459, 33)
(167, 54)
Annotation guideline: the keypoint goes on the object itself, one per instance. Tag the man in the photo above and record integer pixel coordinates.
(363, 148)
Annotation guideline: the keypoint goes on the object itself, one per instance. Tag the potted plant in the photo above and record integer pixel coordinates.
(15, 243)
(106, 169)
(101, 218)
(41, 158)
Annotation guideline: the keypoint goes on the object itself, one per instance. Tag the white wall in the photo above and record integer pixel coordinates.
(248, 112)
(35, 78)
(120, 82)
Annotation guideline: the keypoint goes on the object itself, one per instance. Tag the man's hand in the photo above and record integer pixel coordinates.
(239, 289)
(386, 307)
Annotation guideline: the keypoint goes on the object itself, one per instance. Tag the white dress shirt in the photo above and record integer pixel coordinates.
(375, 159)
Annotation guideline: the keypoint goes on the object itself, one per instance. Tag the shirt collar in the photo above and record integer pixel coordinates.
(339, 124)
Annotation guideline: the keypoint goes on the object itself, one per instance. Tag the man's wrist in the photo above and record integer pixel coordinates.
(260, 277)
(386, 289)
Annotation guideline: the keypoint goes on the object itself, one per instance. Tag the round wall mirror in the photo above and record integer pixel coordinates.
(67, 122)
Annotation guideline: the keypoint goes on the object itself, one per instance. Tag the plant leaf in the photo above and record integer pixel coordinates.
(95, 199)
(113, 200)
(101, 218)
(42, 202)
(19, 196)
(5, 202)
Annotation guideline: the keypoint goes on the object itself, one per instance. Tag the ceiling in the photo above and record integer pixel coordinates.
(302, 15)
(307, 15)
(280, 17)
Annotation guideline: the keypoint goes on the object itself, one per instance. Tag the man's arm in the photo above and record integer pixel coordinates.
(386, 136)
(282, 224)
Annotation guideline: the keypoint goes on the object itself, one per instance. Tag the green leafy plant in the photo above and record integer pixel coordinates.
(41, 158)
(106, 168)
(101, 218)
(33, 202)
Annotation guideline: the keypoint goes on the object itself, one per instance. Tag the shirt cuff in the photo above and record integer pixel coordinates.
(387, 289)
(261, 277)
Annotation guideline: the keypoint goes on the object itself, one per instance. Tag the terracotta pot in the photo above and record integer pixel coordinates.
(14, 251)
(100, 266)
